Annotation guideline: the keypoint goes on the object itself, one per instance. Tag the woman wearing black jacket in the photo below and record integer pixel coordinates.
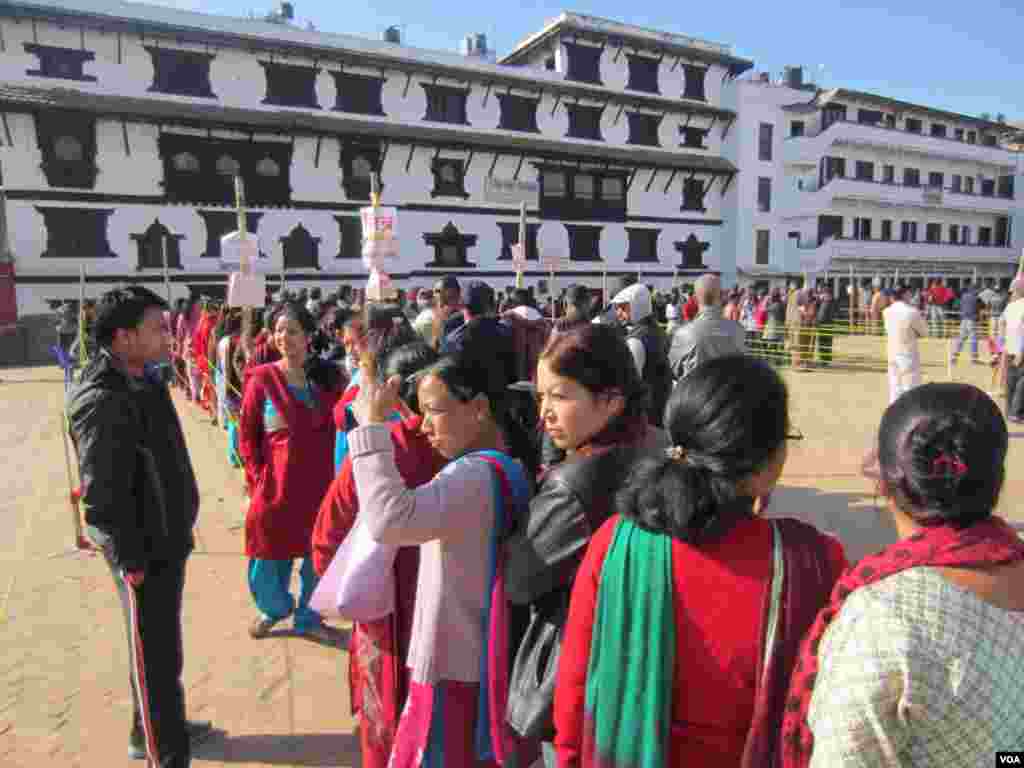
(593, 406)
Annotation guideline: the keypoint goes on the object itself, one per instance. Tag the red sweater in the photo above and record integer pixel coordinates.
(719, 593)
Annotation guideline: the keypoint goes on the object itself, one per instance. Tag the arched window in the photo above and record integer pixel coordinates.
(228, 166)
(268, 167)
(186, 162)
(68, 149)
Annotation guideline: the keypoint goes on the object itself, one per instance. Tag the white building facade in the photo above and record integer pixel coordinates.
(840, 183)
(123, 126)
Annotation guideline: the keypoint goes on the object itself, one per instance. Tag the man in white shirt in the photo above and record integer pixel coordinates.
(903, 327)
(1013, 327)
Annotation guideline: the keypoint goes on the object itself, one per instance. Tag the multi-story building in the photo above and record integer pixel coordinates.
(840, 182)
(122, 126)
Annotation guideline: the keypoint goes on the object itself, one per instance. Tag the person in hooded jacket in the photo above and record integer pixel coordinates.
(648, 344)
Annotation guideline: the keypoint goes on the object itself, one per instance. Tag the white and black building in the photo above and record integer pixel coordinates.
(122, 126)
(839, 181)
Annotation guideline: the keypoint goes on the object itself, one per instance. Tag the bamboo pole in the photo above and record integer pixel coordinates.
(522, 244)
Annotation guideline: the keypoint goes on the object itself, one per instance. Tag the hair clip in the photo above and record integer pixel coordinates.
(676, 453)
(949, 466)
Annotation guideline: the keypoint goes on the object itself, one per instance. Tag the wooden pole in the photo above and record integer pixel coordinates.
(163, 258)
(522, 244)
(83, 357)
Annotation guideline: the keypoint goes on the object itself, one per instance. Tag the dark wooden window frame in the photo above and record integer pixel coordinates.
(797, 128)
(643, 244)
(454, 114)
(207, 186)
(167, 61)
(357, 188)
(518, 113)
(888, 174)
(54, 125)
(985, 236)
(219, 223)
(290, 85)
(692, 201)
(76, 233)
(60, 63)
(584, 238)
(643, 129)
(455, 187)
(359, 94)
(693, 137)
(886, 233)
(583, 63)
(911, 177)
(577, 111)
(643, 73)
(510, 236)
(450, 237)
(292, 246)
(936, 179)
(694, 76)
(569, 207)
(350, 237)
(864, 170)
(913, 125)
(156, 242)
(939, 130)
(933, 232)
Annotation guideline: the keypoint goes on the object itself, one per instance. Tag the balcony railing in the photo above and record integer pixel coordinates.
(812, 146)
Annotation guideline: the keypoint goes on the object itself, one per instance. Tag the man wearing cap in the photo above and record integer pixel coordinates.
(710, 335)
(635, 312)
(482, 338)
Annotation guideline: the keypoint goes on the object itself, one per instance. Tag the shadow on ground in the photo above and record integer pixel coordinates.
(861, 526)
(316, 750)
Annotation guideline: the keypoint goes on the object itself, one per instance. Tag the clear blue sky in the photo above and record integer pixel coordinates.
(964, 57)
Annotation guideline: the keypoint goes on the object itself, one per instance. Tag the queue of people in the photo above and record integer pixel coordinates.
(581, 577)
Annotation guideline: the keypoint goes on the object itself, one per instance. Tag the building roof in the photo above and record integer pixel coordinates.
(823, 97)
(278, 38)
(640, 37)
(15, 98)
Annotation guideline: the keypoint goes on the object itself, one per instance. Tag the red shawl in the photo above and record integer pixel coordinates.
(378, 677)
(986, 543)
(287, 471)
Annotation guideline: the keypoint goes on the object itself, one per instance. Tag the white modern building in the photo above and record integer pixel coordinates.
(839, 182)
(122, 125)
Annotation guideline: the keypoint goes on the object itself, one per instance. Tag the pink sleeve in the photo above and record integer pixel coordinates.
(447, 507)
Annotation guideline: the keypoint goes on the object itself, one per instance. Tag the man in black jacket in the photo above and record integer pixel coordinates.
(483, 340)
(140, 500)
(826, 326)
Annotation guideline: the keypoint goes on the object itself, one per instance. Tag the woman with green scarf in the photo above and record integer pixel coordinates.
(689, 607)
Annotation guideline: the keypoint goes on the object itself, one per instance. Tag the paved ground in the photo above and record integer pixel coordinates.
(284, 701)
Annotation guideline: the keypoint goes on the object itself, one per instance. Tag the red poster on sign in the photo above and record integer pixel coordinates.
(8, 299)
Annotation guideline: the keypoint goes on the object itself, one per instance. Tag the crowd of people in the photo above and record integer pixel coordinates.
(583, 569)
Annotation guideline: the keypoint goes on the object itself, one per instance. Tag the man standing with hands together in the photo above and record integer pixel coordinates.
(140, 500)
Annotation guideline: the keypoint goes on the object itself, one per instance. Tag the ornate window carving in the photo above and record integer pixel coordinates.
(643, 129)
(220, 223)
(156, 243)
(358, 94)
(584, 122)
(584, 242)
(510, 236)
(445, 104)
(518, 113)
(450, 247)
(449, 178)
(290, 85)
(693, 195)
(643, 244)
(184, 73)
(584, 63)
(643, 73)
(62, 63)
(692, 253)
(695, 76)
(300, 249)
(579, 194)
(202, 170)
(67, 141)
(76, 233)
(358, 161)
(350, 241)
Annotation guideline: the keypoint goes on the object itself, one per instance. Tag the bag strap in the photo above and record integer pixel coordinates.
(775, 598)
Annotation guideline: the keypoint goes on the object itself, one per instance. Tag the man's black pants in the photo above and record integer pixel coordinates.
(1015, 391)
(152, 613)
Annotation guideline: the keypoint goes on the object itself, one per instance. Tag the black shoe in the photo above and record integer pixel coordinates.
(198, 731)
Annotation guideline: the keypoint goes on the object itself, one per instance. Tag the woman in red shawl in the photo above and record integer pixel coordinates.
(287, 434)
(378, 676)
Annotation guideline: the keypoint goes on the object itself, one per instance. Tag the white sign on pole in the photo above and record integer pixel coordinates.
(553, 262)
(518, 259)
(239, 252)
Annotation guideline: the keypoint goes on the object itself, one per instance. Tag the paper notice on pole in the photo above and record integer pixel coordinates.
(553, 262)
(239, 252)
(379, 223)
(247, 290)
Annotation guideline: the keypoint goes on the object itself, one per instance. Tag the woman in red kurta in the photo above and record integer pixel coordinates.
(378, 676)
(287, 437)
(678, 587)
